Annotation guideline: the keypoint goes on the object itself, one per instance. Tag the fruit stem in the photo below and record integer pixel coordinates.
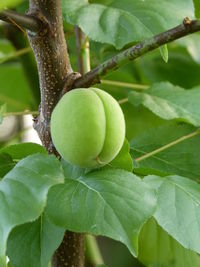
(99, 161)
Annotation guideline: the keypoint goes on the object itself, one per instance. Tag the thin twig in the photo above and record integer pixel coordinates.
(18, 26)
(83, 50)
(123, 100)
(160, 149)
(25, 21)
(125, 84)
(21, 113)
(94, 76)
(18, 53)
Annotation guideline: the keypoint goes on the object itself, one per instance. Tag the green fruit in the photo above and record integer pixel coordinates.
(88, 127)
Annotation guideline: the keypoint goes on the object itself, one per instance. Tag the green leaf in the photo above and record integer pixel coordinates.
(119, 23)
(33, 244)
(6, 164)
(15, 92)
(164, 53)
(72, 171)
(178, 209)
(123, 160)
(197, 8)
(9, 3)
(20, 151)
(157, 248)
(114, 203)
(170, 102)
(182, 158)
(2, 112)
(10, 155)
(13, 55)
(23, 193)
(191, 43)
(181, 68)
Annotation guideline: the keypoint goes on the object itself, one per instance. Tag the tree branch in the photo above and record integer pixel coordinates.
(53, 63)
(54, 68)
(25, 21)
(93, 77)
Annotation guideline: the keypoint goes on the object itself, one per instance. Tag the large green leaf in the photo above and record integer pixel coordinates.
(157, 248)
(170, 102)
(114, 203)
(120, 22)
(9, 3)
(10, 155)
(33, 244)
(182, 158)
(178, 209)
(23, 193)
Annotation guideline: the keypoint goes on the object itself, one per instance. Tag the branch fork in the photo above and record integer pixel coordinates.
(69, 81)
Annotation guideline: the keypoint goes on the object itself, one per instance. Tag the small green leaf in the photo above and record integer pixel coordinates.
(23, 193)
(157, 248)
(123, 160)
(170, 102)
(114, 203)
(164, 53)
(32, 244)
(178, 209)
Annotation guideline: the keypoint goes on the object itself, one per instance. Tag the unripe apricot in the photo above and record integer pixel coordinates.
(88, 127)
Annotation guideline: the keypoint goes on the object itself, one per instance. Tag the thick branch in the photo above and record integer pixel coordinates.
(71, 251)
(51, 54)
(25, 21)
(92, 77)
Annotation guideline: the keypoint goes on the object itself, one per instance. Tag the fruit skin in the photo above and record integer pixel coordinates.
(88, 127)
